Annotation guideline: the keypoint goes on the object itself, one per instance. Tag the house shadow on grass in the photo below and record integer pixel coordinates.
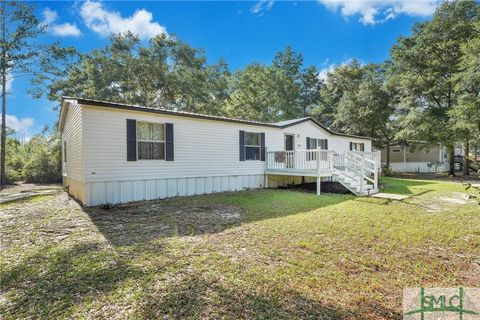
(53, 282)
(139, 222)
(58, 284)
(195, 296)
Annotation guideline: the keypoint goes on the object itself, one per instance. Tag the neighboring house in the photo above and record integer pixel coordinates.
(116, 153)
(419, 157)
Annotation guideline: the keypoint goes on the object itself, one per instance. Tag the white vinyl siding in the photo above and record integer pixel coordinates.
(202, 148)
(337, 143)
(72, 138)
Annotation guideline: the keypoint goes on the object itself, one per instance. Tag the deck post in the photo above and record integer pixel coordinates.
(265, 182)
(319, 184)
(375, 174)
(318, 161)
(319, 179)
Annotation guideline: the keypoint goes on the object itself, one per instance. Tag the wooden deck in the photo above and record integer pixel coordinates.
(358, 171)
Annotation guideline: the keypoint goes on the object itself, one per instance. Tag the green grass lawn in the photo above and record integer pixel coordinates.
(265, 254)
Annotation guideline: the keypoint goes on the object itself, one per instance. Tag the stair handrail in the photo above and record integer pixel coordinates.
(366, 169)
(361, 175)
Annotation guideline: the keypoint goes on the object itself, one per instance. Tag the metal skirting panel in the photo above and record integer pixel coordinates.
(113, 192)
(417, 167)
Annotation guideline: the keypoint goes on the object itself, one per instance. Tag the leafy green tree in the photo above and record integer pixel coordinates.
(466, 113)
(167, 73)
(38, 160)
(254, 93)
(42, 161)
(356, 100)
(364, 108)
(424, 68)
(339, 82)
(301, 86)
(310, 90)
(283, 90)
(21, 55)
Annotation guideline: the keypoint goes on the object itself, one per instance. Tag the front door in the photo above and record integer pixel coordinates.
(289, 146)
(289, 142)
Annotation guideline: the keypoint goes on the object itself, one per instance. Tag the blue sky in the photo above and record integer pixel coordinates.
(326, 32)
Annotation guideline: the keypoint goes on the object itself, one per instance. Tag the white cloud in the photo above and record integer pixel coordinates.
(261, 6)
(323, 73)
(105, 22)
(62, 30)
(375, 11)
(66, 29)
(19, 124)
(49, 16)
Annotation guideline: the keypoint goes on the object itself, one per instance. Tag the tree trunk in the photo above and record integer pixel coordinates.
(451, 160)
(388, 157)
(3, 178)
(475, 152)
(466, 171)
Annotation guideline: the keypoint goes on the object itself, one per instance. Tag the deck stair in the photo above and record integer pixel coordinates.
(355, 172)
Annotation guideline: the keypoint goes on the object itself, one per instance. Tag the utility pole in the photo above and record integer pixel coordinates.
(4, 93)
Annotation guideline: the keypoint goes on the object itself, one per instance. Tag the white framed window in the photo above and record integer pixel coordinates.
(150, 141)
(317, 143)
(357, 146)
(252, 145)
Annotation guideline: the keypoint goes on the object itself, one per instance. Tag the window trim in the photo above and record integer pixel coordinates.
(154, 141)
(317, 140)
(357, 146)
(259, 146)
(294, 138)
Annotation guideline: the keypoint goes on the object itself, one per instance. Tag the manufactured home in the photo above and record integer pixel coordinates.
(116, 153)
(420, 157)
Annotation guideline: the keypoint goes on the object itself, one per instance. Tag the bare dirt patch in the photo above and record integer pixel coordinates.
(23, 191)
(454, 199)
(145, 220)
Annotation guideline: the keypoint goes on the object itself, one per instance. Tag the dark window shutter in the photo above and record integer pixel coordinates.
(362, 146)
(169, 141)
(326, 144)
(262, 146)
(131, 140)
(351, 146)
(242, 145)
(308, 143)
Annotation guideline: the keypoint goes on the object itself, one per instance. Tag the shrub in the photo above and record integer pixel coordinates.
(38, 160)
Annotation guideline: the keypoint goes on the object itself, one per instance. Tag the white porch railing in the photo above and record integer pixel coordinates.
(374, 156)
(358, 171)
(357, 167)
(306, 161)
